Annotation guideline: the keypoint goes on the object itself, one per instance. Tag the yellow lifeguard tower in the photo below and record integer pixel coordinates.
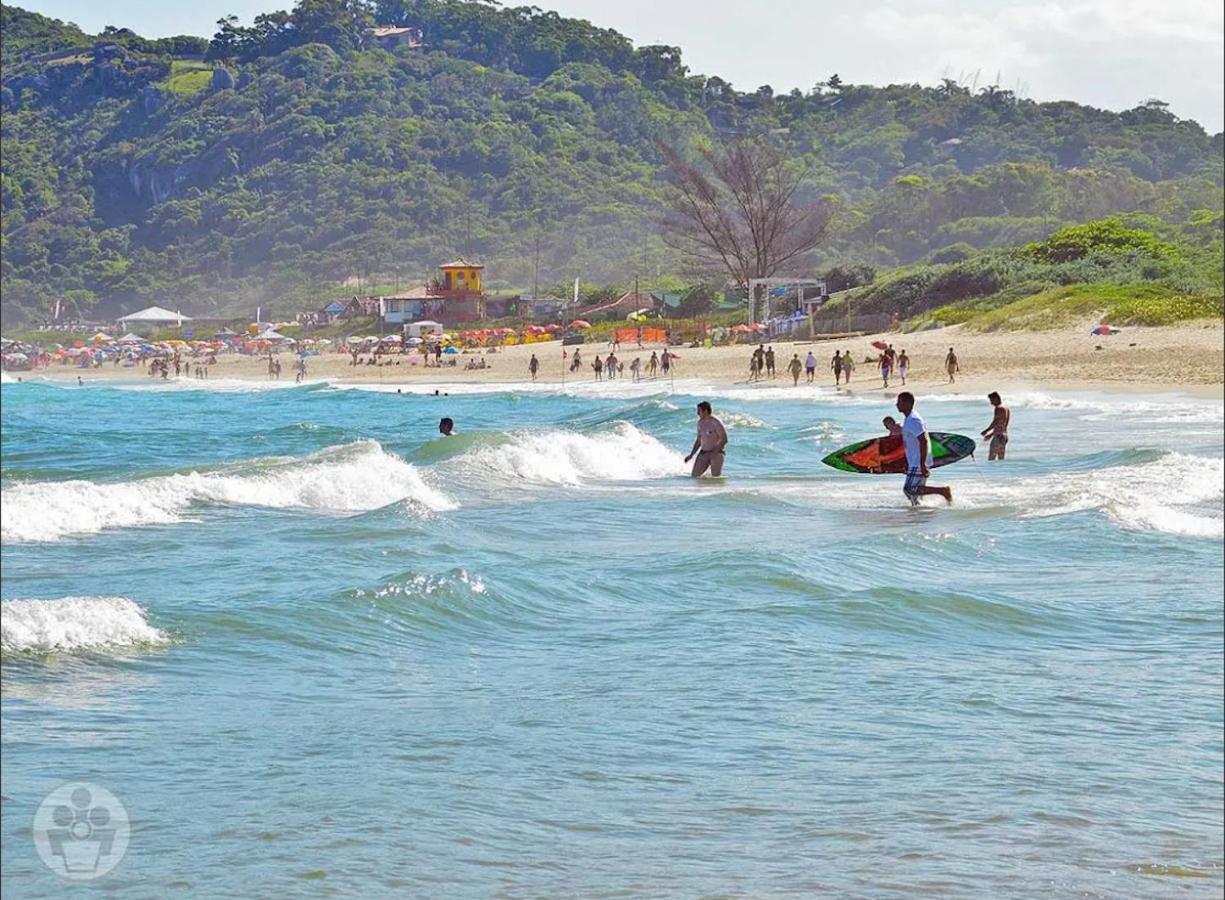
(461, 277)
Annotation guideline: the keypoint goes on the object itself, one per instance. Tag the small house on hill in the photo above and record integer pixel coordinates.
(391, 36)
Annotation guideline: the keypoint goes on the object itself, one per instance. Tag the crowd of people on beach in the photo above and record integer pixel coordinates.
(610, 367)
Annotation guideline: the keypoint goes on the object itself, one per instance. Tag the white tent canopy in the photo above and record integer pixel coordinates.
(270, 335)
(425, 326)
(154, 315)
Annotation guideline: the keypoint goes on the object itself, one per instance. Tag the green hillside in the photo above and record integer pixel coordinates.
(278, 161)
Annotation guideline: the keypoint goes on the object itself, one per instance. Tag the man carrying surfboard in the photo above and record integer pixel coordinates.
(709, 444)
(918, 454)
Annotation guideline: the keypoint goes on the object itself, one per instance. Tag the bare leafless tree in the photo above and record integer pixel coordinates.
(736, 207)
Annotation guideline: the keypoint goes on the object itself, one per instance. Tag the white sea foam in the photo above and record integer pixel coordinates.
(619, 453)
(1172, 409)
(346, 479)
(734, 420)
(219, 385)
(74, 623)
(6, 378)
(1175, 494)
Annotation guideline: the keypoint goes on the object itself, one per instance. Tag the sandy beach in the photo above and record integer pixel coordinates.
(1188, 359)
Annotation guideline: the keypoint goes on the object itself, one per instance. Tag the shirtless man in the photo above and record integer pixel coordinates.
(794, 367)
(951, 365)
(997, 431)
(709, 444)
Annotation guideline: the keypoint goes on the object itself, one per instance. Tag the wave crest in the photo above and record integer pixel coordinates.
(346, 479)
(619, 453)
(74, 623)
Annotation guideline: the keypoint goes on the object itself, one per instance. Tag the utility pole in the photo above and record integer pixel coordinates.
(536, 268)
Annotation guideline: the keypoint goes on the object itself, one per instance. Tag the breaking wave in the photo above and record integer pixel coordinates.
(619, 453)
(347, 479)
(74, 623)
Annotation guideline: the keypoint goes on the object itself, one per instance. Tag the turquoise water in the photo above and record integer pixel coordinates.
(315, 648)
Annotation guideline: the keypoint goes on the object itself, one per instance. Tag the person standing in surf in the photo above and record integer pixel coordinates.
(709, 445)
(917, 443)
(836, 365)
(997, 431)
(446, 427)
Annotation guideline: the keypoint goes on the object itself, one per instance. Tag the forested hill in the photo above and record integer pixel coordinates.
(273, 161)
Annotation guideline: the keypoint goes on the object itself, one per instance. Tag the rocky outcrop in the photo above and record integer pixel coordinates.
(151, 99)
(222, 80)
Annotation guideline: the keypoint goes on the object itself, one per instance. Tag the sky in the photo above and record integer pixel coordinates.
(1113, 54)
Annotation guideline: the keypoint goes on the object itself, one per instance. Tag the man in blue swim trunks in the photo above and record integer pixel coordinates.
(918, 453)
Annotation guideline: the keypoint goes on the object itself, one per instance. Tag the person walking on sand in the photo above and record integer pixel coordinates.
(848, 366)
(636, 368)
(810, 367)
(903, 363)
(653, 364)
(917, 444)
(760, 355)
(709, 445)
(836, 365)
(753, 373)
(795, 367)
(533, 366)
(770, 363)
(997, 431)
(951, 365)
(886, 368)
(598, 366)
(665, 360)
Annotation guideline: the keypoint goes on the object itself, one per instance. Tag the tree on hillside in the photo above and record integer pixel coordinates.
(739, 207)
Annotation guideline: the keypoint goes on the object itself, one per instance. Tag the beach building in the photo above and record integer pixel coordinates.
(152, 317)
(454, 295)
(629, 302)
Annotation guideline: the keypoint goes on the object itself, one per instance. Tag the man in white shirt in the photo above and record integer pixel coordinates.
(918, 453)
(708, 447)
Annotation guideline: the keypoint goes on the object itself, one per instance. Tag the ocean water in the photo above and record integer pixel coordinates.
(313, 647)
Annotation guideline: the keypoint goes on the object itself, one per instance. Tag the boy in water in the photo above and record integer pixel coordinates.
(997, 431)
(446, 427)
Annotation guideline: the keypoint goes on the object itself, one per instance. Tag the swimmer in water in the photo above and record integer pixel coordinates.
(447, 427)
